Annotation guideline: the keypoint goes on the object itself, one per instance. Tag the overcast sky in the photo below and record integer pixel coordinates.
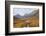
(22, 11)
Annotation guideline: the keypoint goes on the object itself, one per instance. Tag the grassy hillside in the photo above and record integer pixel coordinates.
(32, 22)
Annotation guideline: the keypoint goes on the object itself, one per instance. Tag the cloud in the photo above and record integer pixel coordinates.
(22, 11)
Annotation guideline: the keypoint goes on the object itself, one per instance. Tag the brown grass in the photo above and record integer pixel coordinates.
(33, 22)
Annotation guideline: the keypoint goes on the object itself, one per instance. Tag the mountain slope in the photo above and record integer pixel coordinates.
(34, 13)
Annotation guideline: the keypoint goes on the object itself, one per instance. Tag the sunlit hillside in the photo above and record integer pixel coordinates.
(33, 22)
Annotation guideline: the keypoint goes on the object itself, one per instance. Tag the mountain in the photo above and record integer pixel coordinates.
(18, 16)
(34, 13)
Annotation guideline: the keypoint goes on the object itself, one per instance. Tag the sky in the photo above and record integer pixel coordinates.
(22, 11)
